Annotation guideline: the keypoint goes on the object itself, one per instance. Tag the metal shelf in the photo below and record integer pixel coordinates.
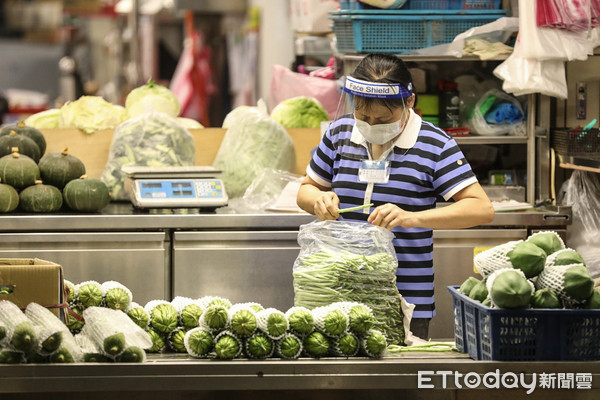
(491, 139)
(415, 58)
(580, 163)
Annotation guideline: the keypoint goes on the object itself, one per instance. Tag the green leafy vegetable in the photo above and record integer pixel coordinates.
(151, 97)
(47, 119)
(198, 342)
(300, 112)
(90, 114)
(316, 344)
(227, 345)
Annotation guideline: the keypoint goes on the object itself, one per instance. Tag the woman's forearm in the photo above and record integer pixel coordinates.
(465, 213)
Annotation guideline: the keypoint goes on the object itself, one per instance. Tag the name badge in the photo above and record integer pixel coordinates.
(374, 171)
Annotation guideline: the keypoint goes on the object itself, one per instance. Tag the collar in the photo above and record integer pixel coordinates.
(406, 140)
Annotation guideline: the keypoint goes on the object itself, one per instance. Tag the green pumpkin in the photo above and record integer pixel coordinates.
(18, 171)
(41, 198)
(85, 194)
(29, 131)
(9, 198)
(25, 145)
(58, 169)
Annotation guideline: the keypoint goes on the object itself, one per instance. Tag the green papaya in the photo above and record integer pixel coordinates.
(114, 344)
(510, 289)
(62, 356)
(578, 283)
(132, 354)
(23, 337)
(545, 298)
(52, 342)
(568, 257)
(487, 302)
(594, 301)
(528, 257)
(468, 284)
(479, 292)
(550, 242)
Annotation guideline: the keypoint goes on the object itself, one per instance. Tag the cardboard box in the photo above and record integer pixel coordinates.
(26, 280)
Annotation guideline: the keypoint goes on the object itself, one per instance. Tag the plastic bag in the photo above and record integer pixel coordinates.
(286, 84)
(351, 261)
(153, 139)
(253, 143)
(488, 107)
(582, 193)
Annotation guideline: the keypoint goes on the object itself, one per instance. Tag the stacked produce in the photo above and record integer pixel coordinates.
(36, 182)
(539, 272)
(341, 329)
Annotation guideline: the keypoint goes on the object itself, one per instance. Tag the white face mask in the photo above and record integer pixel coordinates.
(380, 133)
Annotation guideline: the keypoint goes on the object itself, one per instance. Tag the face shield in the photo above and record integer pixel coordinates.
(373, 96)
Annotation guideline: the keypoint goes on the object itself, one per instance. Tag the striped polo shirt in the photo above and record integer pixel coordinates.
(425, 163)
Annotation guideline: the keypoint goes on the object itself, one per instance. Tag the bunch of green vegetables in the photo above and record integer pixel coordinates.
(330, 275)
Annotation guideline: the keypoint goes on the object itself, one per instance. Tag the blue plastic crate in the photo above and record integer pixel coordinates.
(397, 32)
(525, 334)
(453, 4)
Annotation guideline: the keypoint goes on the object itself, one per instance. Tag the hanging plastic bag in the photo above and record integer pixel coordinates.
(254, 142)
(582, 193)
(351, 261)
(286, 84)
(152, 139)
(497, 113)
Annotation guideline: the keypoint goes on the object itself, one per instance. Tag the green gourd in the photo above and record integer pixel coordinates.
(18, 171)
(40, 198)
(9, 198)
(57, 169)
(528, 257)
(545, 298)
(479, 292)
(25, 145)
(85, 194)
(29, 131)
(510, 289)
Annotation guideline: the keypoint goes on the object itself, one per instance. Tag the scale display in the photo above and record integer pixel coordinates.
(208, 192)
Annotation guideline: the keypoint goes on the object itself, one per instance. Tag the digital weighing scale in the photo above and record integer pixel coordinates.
(175, 187)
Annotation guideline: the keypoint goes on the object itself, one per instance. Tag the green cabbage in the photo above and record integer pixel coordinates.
(90, 114)
(259, 346)
(151, 97)
(44, 120)
(289, 347)
(189, 123)
(316, 344)
(198, 342)
(300, 112)
(253, 143)
(227, 345)
(234, 114)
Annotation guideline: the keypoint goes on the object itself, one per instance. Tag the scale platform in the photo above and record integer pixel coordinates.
(191, 187)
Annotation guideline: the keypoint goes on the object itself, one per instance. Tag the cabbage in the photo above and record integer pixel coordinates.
(151, 97)
(253, 143)
(234, 114)
(189, 123)
(300, 112)
(90, 114)
(44, 120)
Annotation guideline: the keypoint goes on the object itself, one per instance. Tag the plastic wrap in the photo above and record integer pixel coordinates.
(350, 261)
(50, 331)
(152, 139)
(20, 334)
(113, 331)
(582, 193)
(484, 112)
(253, 143)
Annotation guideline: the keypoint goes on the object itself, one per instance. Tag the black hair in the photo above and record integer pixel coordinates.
(382, 68)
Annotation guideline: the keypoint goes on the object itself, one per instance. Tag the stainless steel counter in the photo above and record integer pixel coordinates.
(177, 374)
(122, 216)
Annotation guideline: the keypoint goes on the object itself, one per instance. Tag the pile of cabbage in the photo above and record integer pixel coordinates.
(94, 113)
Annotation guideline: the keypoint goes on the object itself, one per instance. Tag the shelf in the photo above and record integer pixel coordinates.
(415, 58)
(491, 139)
(579, 163)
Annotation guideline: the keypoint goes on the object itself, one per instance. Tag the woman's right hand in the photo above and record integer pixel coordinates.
(326, 206)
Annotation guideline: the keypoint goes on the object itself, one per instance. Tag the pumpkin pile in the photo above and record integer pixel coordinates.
(32, 181)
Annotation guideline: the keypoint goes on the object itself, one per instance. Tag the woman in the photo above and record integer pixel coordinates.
(387, 155)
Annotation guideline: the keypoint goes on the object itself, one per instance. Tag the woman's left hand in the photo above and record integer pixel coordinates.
(389, 216)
